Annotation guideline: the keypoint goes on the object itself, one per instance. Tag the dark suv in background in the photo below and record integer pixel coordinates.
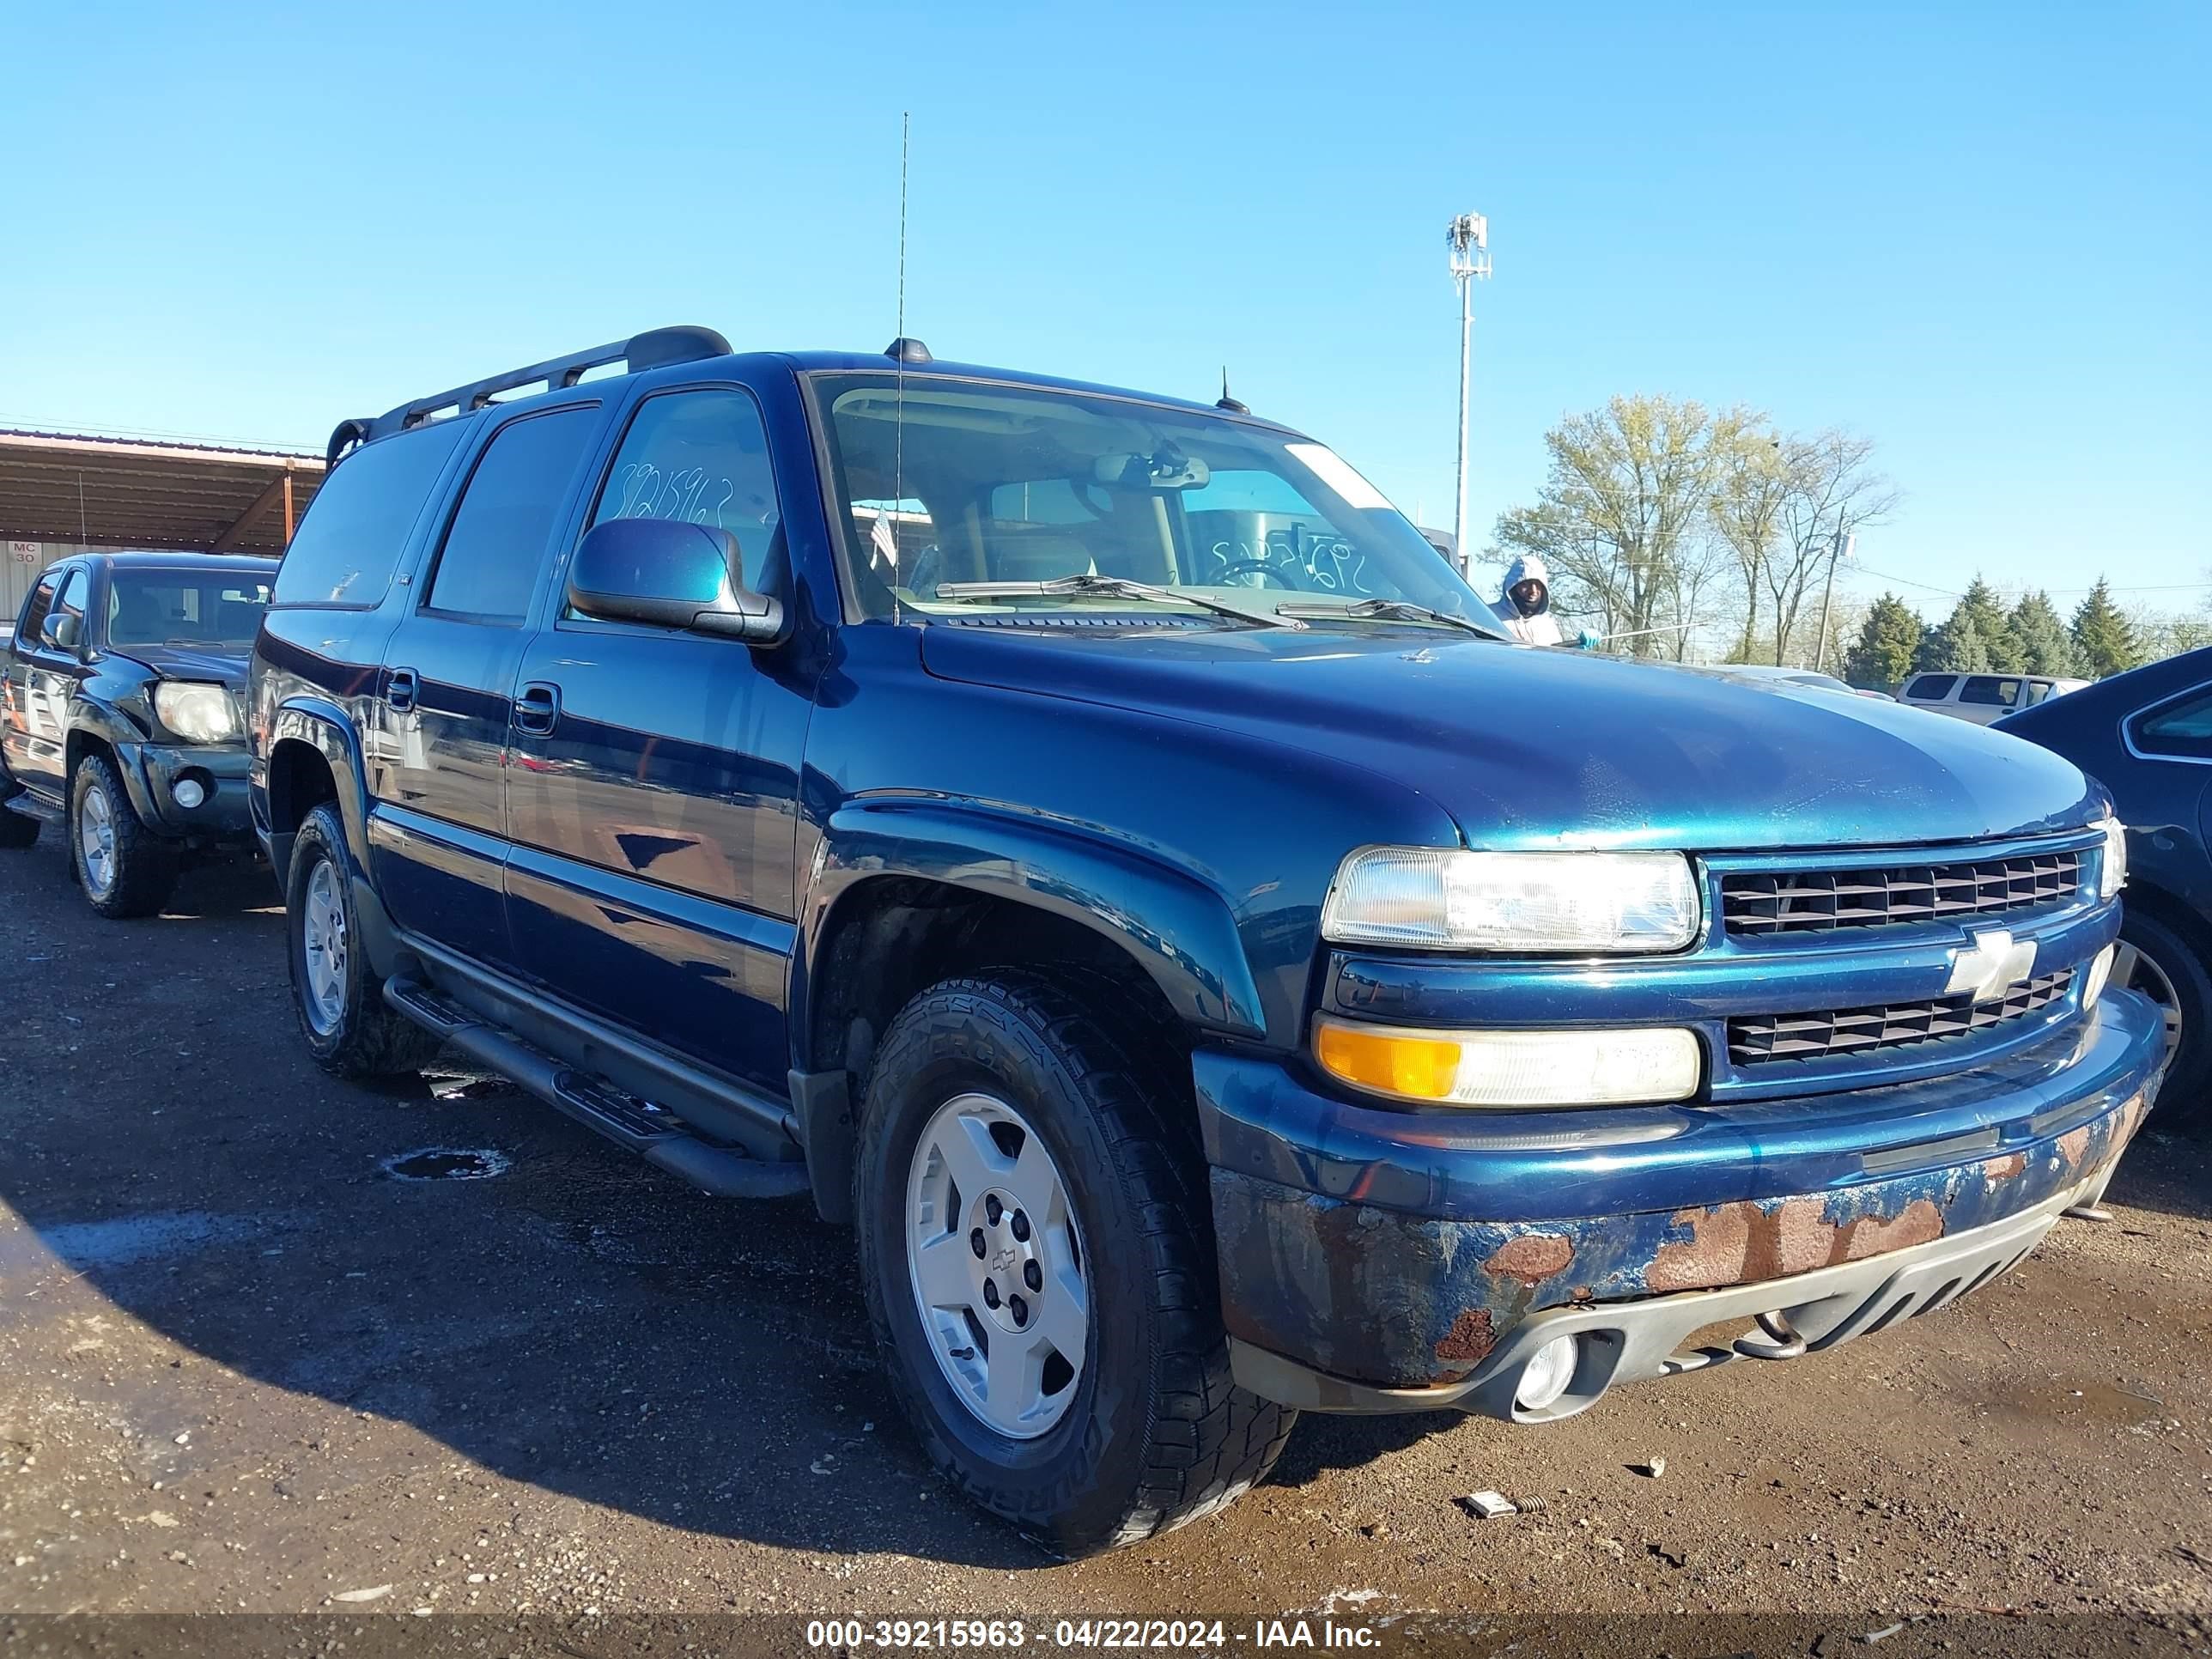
(1077, 836)
(123, 709)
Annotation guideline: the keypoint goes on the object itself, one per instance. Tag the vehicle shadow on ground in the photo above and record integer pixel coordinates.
(2169, 1173)
(577, 1322)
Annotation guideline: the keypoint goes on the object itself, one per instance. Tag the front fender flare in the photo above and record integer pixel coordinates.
(1178, 930)
(325, 728)
(94, 718)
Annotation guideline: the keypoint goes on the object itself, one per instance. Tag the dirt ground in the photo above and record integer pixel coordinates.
(244, 1367)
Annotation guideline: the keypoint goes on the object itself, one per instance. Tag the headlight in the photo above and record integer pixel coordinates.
(1548, 902)
(2112, 872)
(196, 713)
(1636, 1066)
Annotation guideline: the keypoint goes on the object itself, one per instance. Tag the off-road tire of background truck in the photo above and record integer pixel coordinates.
(1157, 1434)
(368, 1039)
(145, 865)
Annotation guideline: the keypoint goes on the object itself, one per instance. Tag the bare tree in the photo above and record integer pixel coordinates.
(1750, 494)
(1832, 491)
(1628, 490)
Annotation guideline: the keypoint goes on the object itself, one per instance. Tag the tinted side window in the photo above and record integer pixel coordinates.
(497, 541)
(34, 611)
(2183, 728)
(1987, 688)
(72, 601)
(701, 457)
(1931, 688)
(357, 526)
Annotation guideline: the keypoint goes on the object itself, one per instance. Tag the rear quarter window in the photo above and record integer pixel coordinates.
(359, 522)
(2181, 729)
(1931, 688)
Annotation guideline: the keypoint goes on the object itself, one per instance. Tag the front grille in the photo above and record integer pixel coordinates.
(1759, 1039)
(1763, 904)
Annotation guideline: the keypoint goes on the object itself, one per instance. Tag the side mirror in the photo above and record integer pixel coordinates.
(62, 630)
(671, 575)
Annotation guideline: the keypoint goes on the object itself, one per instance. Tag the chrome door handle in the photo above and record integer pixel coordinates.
(538, 707)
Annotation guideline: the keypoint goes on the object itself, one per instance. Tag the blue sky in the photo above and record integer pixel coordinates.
(1979, 234)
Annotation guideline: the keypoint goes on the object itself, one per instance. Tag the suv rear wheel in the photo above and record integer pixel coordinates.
(343, 1014)
(125, 868)
(1040, 1274)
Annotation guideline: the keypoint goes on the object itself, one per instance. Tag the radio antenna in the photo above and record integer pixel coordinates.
(898, 414)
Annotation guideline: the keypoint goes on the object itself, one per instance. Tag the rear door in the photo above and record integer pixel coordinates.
(438, 839)
(653, 796)
(1985, 698)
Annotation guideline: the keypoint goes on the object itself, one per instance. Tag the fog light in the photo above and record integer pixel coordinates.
(189, 794)
(1545, 1377)
(2100, 971)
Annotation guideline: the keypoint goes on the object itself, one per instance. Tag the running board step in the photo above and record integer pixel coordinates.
(659, 1137)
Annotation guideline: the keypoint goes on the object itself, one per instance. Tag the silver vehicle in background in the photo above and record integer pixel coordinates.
(1982, 698)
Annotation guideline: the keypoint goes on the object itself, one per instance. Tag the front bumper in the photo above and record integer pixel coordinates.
(1378, 1261)
(153, 770)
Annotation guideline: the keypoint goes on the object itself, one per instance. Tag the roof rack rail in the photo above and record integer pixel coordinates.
(654, 349)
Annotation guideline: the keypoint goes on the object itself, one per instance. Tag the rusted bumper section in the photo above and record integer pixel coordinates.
(1337, 1285)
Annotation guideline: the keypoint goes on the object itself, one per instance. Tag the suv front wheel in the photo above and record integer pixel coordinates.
(340, 1001)
(1040, 1274)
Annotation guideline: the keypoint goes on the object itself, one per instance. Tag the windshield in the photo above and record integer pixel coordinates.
(184, 607)
(953, 481)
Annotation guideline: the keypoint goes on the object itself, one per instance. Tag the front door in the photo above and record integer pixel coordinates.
(653, 800)
(41, 679)
(438, 837)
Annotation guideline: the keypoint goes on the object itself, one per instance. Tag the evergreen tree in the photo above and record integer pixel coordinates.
(2104, 641)
(2045, 646)
(1886, 644)
(1956, 648)
(1981, 602)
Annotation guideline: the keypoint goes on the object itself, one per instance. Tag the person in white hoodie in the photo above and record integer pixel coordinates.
(1524, 605)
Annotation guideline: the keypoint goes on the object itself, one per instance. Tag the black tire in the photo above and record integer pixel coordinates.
(18, 830)
(2171, 971)
(143, 871)
(364, 1037)
(1156, 1433)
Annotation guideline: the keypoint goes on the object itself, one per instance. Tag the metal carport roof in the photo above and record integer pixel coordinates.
(95, 492)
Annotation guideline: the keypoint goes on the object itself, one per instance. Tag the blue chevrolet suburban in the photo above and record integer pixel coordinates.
(1094, 846)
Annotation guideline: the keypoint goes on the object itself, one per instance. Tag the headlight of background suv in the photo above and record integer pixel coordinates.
(196, 713)
(1451, 899)
(2112, 870)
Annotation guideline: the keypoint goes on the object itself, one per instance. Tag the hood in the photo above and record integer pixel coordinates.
(1526, 568)
(191, 662)
(1553, 748)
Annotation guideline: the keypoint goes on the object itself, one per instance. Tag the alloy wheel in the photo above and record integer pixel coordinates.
(95, 841)
(2137, 972)
(997, 1266)
(323, 939)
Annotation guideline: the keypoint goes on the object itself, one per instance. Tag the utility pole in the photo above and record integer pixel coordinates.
(1469, 239)
(1839, 549)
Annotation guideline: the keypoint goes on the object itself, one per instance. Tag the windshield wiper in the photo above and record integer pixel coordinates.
(1388, 610)
(1111, 587)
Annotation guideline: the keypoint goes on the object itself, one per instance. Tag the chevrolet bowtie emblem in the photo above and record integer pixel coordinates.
(1990, 965)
